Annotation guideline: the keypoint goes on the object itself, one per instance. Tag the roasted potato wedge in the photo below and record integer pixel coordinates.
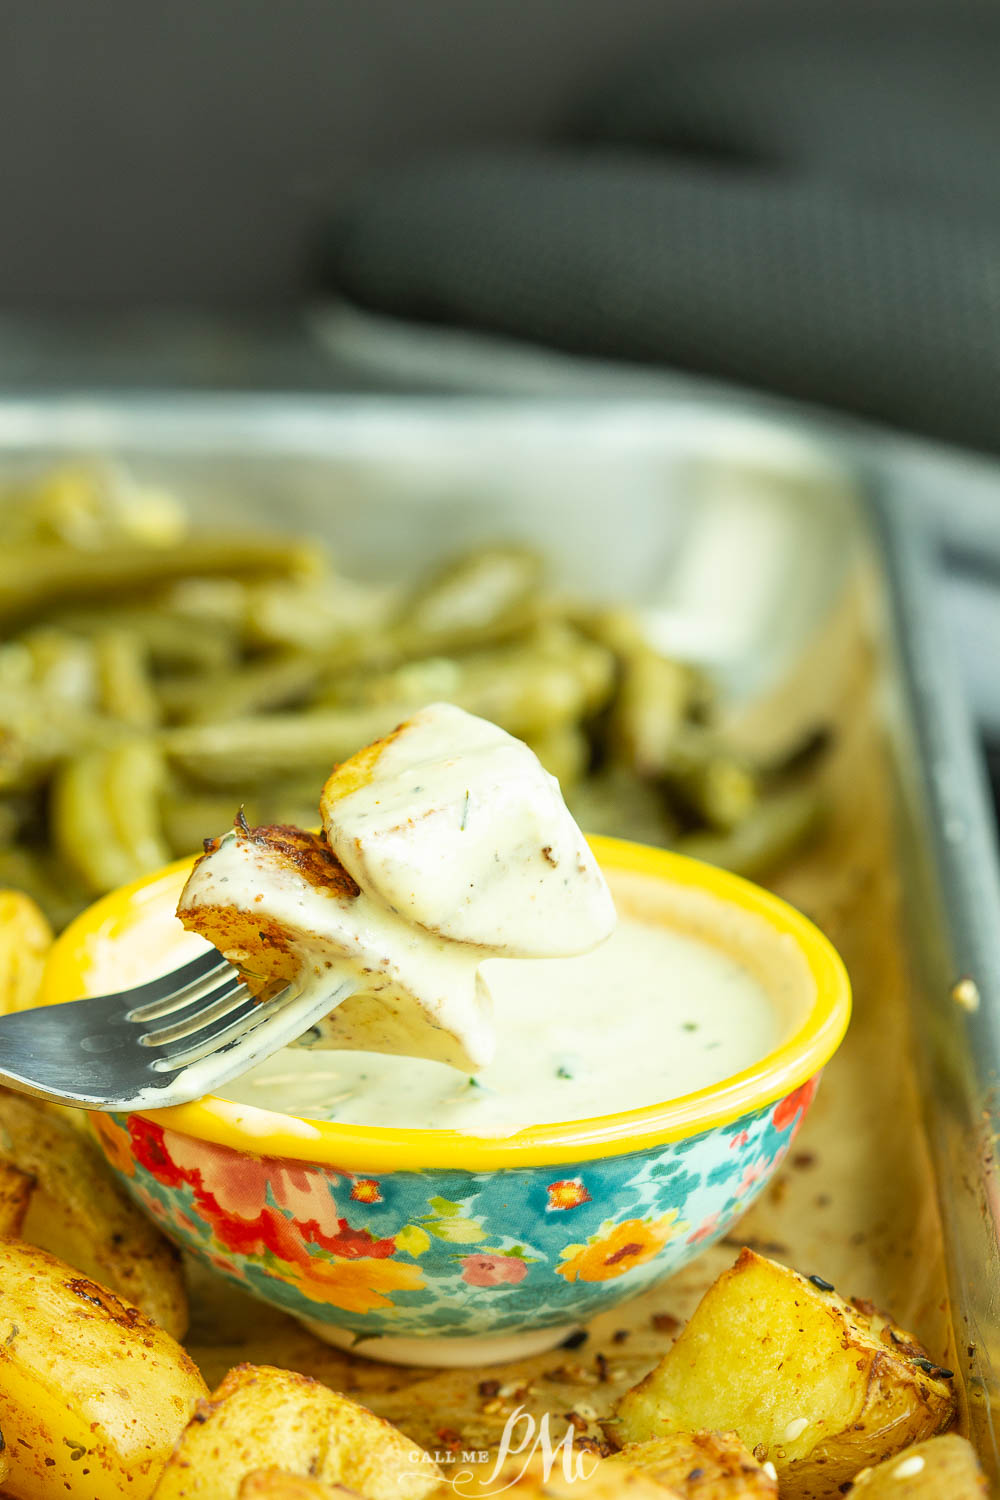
(16, 1188)
(76, 1209)
(943, 1468)
(93, 1396)
(273, 1484)
(25, 937)
(700, 1466)
(816, 1385)
(261, 1417)
(524, 1478)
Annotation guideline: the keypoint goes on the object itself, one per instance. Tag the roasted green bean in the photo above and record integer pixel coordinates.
(480, 597)
(251, 752)
(124, 681)
(153, 678)
(775, 828)
(105, 819)
(37, 576)
(173, 640)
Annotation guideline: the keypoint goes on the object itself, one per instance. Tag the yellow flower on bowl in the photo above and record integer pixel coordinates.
(356, 1286)
(623, 1246)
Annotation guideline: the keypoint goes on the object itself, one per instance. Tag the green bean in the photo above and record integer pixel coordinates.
(614, 626)
(407, 684)
(300, 811)
(528, 695)
(173, 642)
(274, 682)
(722, 791)
(212, 602)
(86, 505)
(36, 733)
(594, 664)
(135, 777)
(35, 577)
(63, 667)
(707, 780)
(778, 825)
(330, 613)
(615, 801)
(80, 826)
(534, 689)
(565, 754)
(104, 815)
(650, 708)
(13, 816)
(126, 688)
(250, 752)
(17, 667)
(190, 816)
(550, 677)
(473, 597)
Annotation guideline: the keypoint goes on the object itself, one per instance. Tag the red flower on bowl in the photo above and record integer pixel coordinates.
(493, 1270)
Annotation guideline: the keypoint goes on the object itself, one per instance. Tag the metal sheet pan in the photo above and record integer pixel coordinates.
(643, 500)
(949, 864)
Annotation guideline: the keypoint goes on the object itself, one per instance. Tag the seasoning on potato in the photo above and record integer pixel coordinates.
(56, 1192)
(261, 1417)
(700, 1465)
(272, 1484)
(586, 1477)
(93, 1395)
(817, 1386)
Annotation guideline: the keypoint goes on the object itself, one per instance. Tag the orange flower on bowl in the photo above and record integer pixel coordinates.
(356, 1286)
(569, 1192)
(606, 1256)
(116, 1143)
(366, 1190)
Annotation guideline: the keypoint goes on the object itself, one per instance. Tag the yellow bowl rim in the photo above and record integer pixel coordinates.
(370, 1148)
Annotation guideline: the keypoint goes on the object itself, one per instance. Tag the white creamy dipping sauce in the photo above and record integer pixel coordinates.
(650, 1015)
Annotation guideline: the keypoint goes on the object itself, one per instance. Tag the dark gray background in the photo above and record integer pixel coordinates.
(164, 153)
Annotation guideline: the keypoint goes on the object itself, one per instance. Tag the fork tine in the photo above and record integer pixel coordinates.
(89, 1053)
(218, 1002)
(185, 987)
(222, 1033)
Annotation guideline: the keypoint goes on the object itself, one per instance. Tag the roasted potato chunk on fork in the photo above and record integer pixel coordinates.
(817, 1386)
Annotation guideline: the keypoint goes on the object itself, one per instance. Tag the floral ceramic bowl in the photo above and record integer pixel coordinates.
(443, 1248)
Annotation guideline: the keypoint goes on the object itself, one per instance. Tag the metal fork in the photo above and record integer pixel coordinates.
(162, 1043)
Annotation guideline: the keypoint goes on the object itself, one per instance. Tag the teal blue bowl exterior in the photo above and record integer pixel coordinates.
(442, 1252)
